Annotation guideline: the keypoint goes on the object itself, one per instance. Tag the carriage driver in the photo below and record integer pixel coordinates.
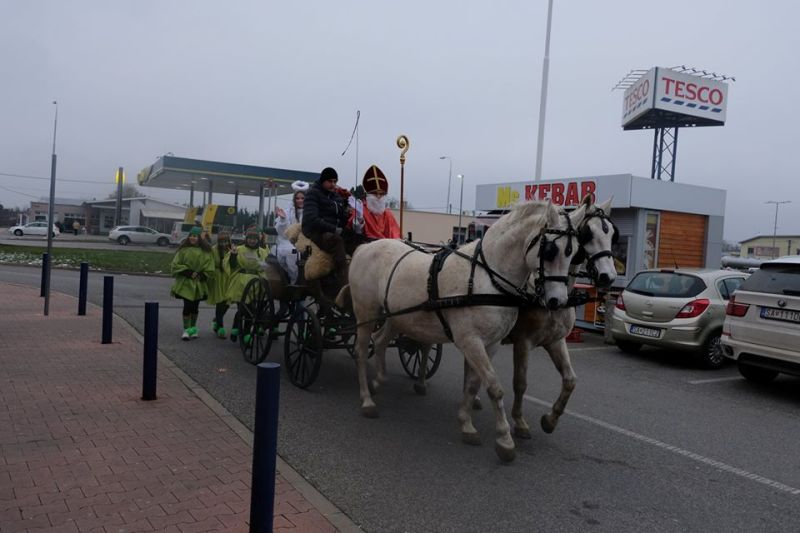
(325, 218)
(376, 221)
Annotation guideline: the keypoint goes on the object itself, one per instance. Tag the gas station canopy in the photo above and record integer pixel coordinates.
(179, 173)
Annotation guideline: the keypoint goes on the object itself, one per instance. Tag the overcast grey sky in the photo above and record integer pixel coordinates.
(278, 84)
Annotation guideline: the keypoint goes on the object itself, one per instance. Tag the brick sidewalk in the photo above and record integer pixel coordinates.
(79, 450)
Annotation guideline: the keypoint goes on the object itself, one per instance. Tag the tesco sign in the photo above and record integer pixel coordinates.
(664, 89)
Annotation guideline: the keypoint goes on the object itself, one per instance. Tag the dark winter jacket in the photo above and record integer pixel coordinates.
(323, 211)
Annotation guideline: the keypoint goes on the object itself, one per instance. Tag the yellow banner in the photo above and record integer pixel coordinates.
(209, 214)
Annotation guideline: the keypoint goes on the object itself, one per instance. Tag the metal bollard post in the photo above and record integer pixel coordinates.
(45, 265)
(82, 289)
(150, 368)
(265, 447)
(108, 307)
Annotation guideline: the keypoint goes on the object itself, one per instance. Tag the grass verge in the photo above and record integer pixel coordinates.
(108, 260)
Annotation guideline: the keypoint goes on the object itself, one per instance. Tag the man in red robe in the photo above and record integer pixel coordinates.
(372, 218)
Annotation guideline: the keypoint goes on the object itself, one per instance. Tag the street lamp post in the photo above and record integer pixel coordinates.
(537, 175)
(449, 179)
(775, 227)
(460, 207)
(50, 216)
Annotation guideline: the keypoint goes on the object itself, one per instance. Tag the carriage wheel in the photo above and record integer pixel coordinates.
(256, 319)
(303, 347)
(411, 358)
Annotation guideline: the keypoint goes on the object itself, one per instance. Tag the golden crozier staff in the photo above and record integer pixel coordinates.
(403, 143)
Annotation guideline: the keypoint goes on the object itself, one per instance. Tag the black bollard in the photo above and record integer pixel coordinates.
(108, 307)
(82, 289)
(150, 368)
(265, 447)
(45, 266)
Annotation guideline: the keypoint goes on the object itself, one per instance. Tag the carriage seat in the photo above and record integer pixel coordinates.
(319, 263)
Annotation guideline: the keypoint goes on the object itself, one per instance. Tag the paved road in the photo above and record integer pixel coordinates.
(650, 442)
(68, 240)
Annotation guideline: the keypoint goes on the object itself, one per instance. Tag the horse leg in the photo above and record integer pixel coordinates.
(480, 363)
(521, 427)
(476, 400)
(472, 383)
(368, 407)
(560, 355)
(380, 340)
(420, 386)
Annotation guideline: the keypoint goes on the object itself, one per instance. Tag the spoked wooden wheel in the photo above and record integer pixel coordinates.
(303, 346)
(256, 318)
(411, 357)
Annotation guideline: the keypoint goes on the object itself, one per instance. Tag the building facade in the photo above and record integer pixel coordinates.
(769, 246)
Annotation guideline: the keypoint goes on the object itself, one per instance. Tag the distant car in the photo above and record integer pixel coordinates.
(679, 309)
(138, 235)
(33, 228)
(762, 326)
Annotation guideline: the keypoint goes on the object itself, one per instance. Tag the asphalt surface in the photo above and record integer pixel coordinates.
(650, 442)
(69, 240)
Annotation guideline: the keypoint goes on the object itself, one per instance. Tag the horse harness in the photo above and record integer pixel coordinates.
(510, 295)
(585, 235)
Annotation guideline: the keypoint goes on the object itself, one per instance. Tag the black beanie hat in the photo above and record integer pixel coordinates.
(328, 174)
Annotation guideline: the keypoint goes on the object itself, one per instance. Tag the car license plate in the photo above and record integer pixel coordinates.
(645, 332)
(786, 315)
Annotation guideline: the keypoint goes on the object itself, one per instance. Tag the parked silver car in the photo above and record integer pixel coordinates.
(678, 309)
(138, 235)
(762, 326)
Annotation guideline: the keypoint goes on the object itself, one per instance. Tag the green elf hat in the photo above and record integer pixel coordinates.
(252, 231)
(196, 230)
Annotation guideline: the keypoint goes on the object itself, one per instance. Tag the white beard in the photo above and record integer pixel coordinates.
(376, 204)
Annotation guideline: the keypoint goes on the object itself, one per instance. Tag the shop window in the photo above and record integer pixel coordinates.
(620, 251)
(651, 240)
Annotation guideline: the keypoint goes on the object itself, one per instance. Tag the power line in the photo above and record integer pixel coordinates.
(45, 178)
(20, 193)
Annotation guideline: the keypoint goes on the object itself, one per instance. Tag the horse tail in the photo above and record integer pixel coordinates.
(343, 299)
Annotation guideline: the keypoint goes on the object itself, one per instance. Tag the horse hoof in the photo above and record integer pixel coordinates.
(473, 439)
(506, 455)
(522, 433)
(548, 423)
(420, 389)
(476, 404)
(370, 411)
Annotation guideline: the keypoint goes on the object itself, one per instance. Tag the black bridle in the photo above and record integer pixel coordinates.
(585, 236)
(548, 250)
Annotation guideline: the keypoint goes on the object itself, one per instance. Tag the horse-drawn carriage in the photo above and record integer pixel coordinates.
(310, 323)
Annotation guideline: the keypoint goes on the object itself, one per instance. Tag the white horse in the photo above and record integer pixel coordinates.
(549, 329)
(387, 276)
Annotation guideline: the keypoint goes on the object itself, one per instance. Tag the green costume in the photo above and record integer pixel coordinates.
(219, 281)
(248, 266)
(191, 259)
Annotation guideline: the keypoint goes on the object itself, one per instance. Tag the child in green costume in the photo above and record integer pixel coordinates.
(243, 263)
(192, 265)
(218, 284)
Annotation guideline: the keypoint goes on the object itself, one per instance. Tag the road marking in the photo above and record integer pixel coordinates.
(719, 465)
(714, 380)
(588, 348)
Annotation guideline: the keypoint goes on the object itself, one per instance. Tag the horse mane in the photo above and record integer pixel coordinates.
(522, 211)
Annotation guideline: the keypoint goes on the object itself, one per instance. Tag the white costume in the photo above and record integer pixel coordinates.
(285, 250)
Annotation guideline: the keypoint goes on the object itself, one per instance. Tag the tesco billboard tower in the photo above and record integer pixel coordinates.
(666, 99)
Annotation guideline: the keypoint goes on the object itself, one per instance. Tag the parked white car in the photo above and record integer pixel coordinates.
(762, 324)
(138, 235)
(32, 228)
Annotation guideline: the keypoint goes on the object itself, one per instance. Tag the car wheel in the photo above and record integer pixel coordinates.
(757, 374)
(123, 240)
(629, 346)
(163, 241)
(711, 353)
(18, 232)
